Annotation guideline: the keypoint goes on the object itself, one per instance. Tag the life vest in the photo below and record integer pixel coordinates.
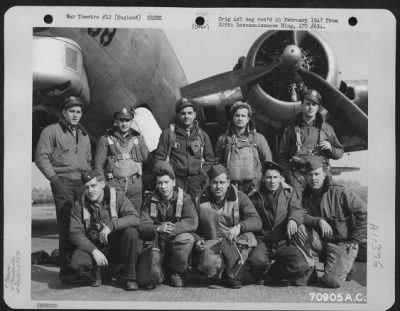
(241, 157)
(113, 208)
(173, 144)
(125, 160)
(229, 208)
(179, 206)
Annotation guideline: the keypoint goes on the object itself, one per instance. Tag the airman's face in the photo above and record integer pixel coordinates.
(272, 179)
(309, 108)
(94, 189)
(187, 116)
(123, 125)
(315, 179)
(241, 118)
(219, 185)
(72, 115)
(165, 186)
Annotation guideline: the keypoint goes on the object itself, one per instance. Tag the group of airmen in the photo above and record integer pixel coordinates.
(235, 215)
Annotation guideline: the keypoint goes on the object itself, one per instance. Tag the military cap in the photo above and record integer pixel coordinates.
(72, 101)
(124, 114)
(215, 171)
(271, 165)
(312, 95)
(162, 168)
(87, 176)
(241, 104)
(314, 163)
(183, 103)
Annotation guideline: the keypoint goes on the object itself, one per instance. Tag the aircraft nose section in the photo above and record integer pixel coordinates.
(291, 55)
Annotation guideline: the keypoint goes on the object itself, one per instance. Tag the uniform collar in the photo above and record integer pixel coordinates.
(265, 191)
(207, 195)
(100, 202)
(325, 187)
(66, 127)
(193, 129)
(299, 121)
(106, 198)
(157, 197)
(276, 192)
(115, 132)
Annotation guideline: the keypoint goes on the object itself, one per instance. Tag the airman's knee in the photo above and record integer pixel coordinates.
(183, 238)
(257, 260)
(131, 232)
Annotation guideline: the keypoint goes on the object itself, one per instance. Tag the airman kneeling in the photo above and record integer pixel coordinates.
(168, 217)
(103, 230)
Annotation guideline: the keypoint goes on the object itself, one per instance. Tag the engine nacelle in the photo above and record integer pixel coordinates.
(268, 96)
(58, 71)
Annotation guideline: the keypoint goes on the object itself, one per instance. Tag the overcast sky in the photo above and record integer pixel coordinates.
(206, 53)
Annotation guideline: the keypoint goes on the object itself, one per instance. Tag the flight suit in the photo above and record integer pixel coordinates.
(61, 157)
(177, 246)
(190, 155)
(275, 210)
(228, 145)
(215, 221)
(346, 213)
(123, 245)
(299, 142)
(122, 158)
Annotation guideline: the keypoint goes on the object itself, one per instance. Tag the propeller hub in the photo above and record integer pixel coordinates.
(291, 55)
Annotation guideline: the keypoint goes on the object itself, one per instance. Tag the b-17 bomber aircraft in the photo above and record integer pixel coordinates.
(112, 68)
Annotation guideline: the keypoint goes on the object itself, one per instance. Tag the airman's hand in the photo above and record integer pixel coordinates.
(325, 145)
(200, 245)
(326, 229)
(350, 245)
(233, 233)
(166, 227)
(103, 235)
(291, 228)
(99, 258)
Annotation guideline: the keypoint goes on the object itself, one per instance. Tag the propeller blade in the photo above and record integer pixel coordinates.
(298, 36)
(226, 80)
(338, 105)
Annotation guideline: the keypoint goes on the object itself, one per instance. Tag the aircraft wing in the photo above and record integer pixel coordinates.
(337, 170)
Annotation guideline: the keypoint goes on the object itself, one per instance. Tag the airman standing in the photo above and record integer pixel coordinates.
(187, 148)
(242, 150)
(309, 136)
(121, 153)
(62, 153)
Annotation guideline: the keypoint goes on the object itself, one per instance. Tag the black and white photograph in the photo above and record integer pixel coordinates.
(222, 163)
